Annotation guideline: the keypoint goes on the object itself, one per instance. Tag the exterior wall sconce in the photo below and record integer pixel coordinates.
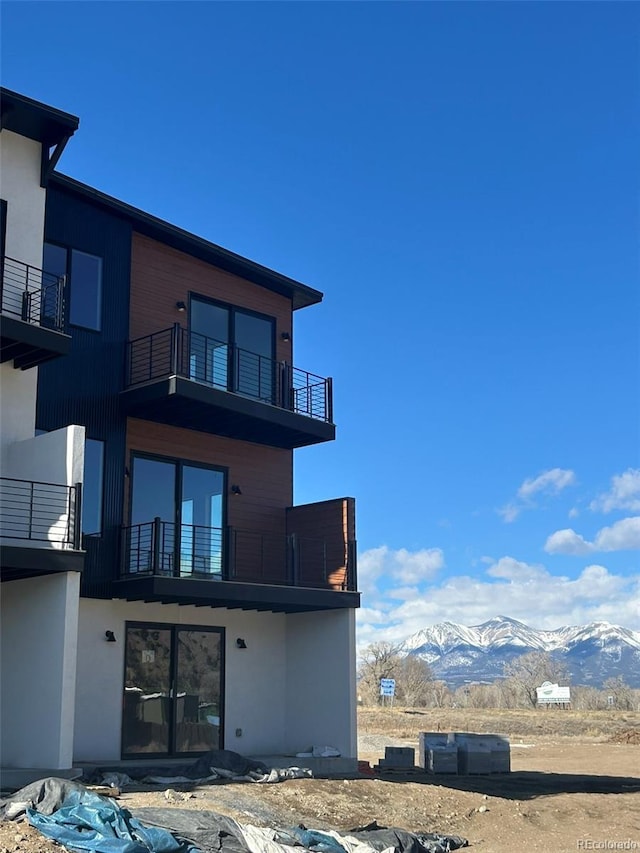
(285, 336)
(240, 643)
(110, 636)
(181, 306)
(236, 490)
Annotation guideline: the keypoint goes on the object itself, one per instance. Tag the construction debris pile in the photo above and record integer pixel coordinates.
(84, 821)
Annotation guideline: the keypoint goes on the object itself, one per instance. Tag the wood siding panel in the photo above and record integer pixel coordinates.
(162, 276)
(332, 521)
(265, 474)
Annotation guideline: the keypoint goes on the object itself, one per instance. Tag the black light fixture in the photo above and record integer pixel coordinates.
(240, 643)
(110, 636)
(236, 490)
(285, 336)
(181, 306)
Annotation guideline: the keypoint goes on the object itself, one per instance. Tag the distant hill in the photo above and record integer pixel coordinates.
(592, 653)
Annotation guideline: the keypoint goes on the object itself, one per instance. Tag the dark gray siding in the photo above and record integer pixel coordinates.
(84, 386)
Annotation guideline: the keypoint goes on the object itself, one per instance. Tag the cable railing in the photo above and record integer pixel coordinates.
(164, 548)
(180, 352)
(32, 295)
(40, 512)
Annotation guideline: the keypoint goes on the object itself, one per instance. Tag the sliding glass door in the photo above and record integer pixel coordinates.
(173, 690)
(177, 518)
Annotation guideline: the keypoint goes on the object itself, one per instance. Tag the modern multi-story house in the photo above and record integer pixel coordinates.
(212, 611)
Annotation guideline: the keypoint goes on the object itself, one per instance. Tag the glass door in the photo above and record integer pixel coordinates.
(209, 343)
(146, 714)
(173, 690)
(153, 496)
(201, 521)
(254, 368)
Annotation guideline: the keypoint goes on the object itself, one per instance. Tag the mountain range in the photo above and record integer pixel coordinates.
(592, 653)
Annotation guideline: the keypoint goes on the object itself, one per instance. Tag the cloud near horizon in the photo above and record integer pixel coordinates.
(549, 483)
(624, 535)
(524, 591)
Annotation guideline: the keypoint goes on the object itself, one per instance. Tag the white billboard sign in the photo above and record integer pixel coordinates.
(552, 694)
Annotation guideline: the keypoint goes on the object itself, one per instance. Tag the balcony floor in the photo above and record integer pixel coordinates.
(233, 594)
(27, 560)
(30, 345)
(185, 403)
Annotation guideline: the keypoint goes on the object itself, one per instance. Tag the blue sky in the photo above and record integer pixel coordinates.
(461, 181)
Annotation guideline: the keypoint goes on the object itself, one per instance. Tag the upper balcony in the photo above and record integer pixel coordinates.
(182, 378)
(40, 528)
(33, 315)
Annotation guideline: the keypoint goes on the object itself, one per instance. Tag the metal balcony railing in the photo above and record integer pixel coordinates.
(209, 553)
(32, 295)
(179, 352)
(40, 512)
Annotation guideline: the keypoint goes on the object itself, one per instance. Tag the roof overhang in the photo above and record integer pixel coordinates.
(301, 295)
(40, 122)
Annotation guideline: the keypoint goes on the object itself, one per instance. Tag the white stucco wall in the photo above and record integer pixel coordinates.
(17, 419)
(38, 645)
(20, 187)
(294, 685)
(255, 676)
(321, 681)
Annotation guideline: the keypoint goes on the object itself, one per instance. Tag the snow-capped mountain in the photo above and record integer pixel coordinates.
(592, 653)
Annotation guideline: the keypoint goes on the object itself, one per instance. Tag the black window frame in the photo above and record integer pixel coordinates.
(69, 276)
(96, 534)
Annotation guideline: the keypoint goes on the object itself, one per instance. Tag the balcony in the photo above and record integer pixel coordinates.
(188, 380)
(290, 571)
(40, 526)
(33, 315)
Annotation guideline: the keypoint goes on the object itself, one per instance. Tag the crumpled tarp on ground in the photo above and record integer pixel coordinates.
(215, 764)
(81, 820)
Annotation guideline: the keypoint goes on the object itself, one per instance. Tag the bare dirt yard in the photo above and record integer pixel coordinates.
(574, 785)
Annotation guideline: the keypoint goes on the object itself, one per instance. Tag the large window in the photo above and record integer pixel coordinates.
(177, 518)
(85, 280)
(232, 349)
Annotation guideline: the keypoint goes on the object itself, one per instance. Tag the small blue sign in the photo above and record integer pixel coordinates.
(387, 687)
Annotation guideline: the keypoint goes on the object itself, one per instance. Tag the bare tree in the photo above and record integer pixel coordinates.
(415, 681)
(621, 692)
(529, 671)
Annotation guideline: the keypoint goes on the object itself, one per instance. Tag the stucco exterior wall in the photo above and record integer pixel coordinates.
(38, 635)
(321, 681)
(20, 187)
(255, 676)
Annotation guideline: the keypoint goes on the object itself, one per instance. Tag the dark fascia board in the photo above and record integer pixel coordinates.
(301, 295)
(36, 120)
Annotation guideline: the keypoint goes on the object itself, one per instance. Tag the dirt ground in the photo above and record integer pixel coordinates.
(574, 785)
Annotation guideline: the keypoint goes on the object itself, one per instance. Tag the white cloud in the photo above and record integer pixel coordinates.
(574, 512)
(567, 541)
(623, 494)
(624, 535)
(524, 591)
(401, 567)
(550, 482)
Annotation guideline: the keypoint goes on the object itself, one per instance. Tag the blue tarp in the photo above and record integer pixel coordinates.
(88, 822)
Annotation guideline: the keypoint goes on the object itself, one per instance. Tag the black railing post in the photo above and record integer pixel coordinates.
(77, 517)
(26, 306)
(285, 389)
(351, 578)
(229, 558)
(329, 400)
(156, 544)
(295, 560)
(31, 511)
(175, 344)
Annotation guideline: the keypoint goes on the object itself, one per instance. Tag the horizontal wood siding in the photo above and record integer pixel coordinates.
(162, 276)
(333, 522)
(264, 474)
